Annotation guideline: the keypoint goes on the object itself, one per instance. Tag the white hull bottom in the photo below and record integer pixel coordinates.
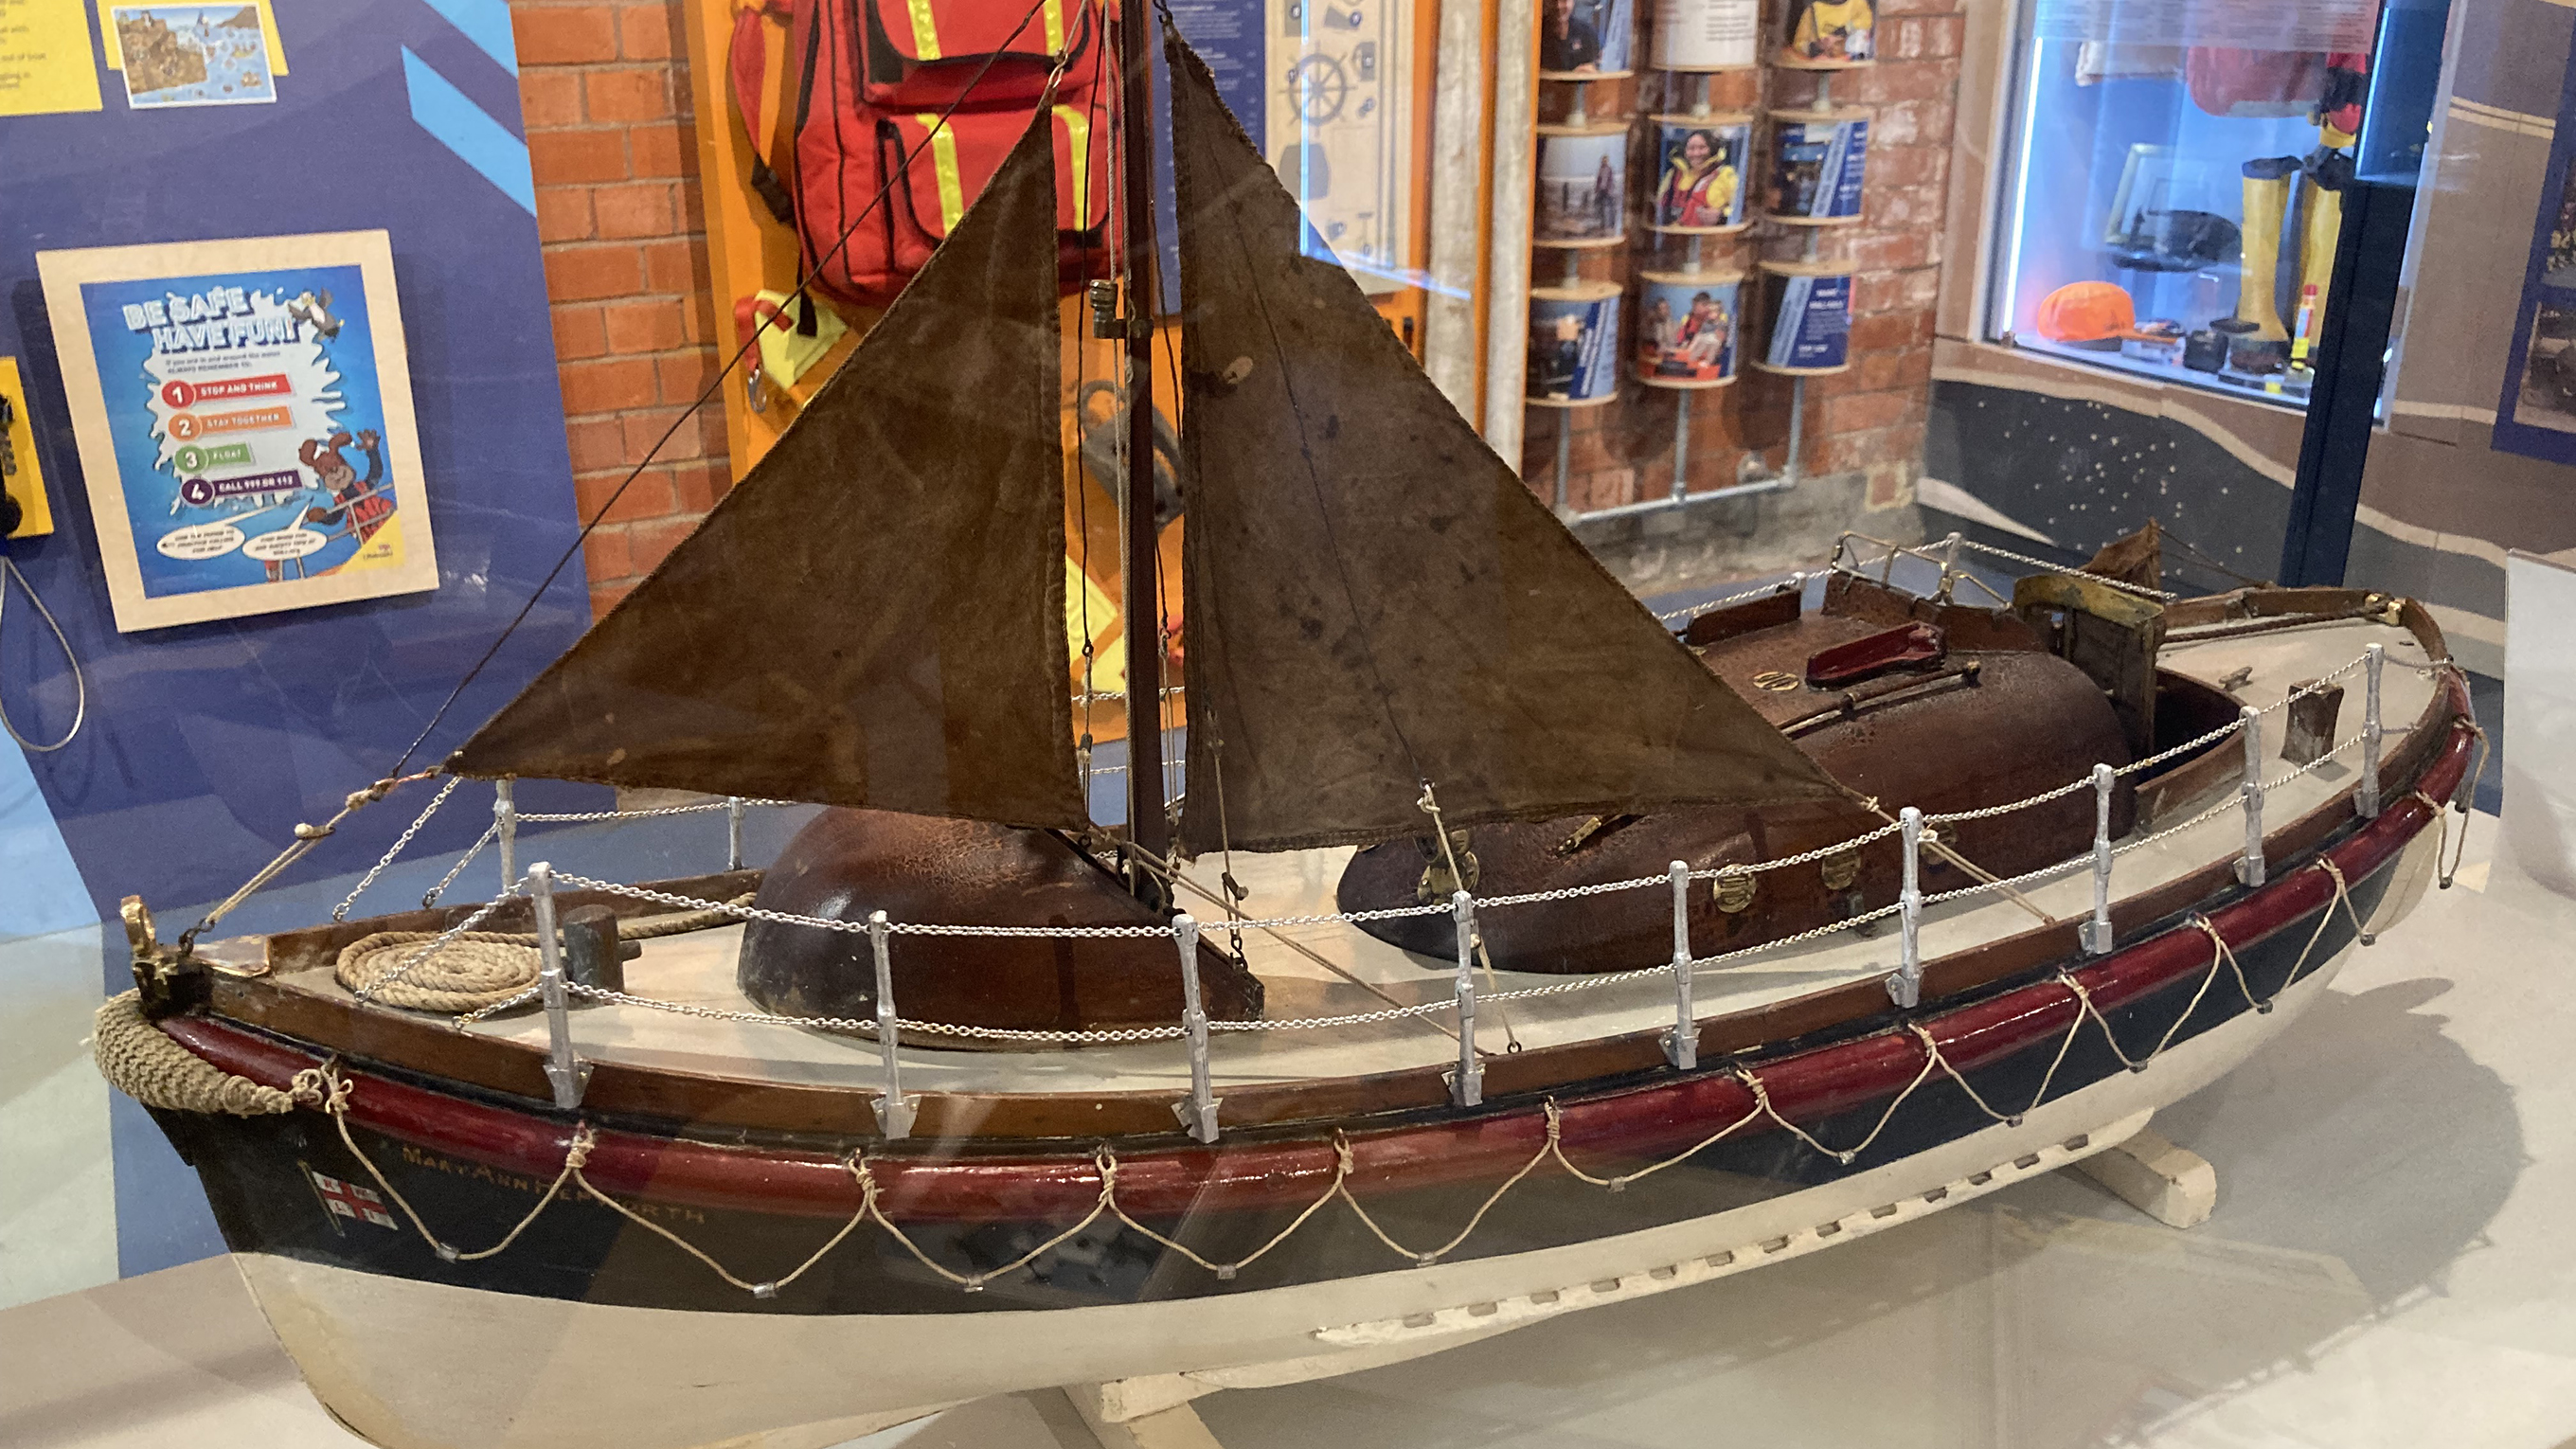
(415, 1365)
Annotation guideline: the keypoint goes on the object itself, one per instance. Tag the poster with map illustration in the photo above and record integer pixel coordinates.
(192, 55)
(244, 419)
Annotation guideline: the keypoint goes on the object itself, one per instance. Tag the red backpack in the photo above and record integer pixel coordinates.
(870, 80)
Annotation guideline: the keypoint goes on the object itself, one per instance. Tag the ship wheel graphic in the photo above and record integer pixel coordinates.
(1320, 88)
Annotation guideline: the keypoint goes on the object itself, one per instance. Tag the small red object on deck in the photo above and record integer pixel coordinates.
(1908, 646)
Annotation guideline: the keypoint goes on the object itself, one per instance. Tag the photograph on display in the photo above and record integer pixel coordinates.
(1583, 37)
(1829, 32)
(193, 55)
(244, 417)
(1686, 330)
(1582, 186)
(1700, 176)
(1572, 348)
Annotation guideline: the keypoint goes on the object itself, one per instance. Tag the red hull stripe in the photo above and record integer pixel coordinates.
(1628, 1124)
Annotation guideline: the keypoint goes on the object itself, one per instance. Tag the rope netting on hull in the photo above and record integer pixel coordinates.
(131, 1060)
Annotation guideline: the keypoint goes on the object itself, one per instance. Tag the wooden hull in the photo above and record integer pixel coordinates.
(514, 1349)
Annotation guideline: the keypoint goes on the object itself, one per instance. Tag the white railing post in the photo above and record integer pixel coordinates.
(568, 1073)
(1906, 986)
(733, 832)
(1198, 1114)
(1467, 1084)
(2095, 934)
(2249, 866)
(2366, 796)
(894, 1110)
(1949, 566)
(505, 816)
(1681, 1044)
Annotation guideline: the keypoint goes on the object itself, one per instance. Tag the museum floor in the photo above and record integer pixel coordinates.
(2388, 1265)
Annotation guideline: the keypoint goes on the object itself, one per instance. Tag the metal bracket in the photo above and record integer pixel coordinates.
(1672, 1041)
(578, 1075)
(1198, 1120)
(895, 1119)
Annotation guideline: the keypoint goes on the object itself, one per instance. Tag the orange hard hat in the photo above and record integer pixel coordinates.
(2088, 312)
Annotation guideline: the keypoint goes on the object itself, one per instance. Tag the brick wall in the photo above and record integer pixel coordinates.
(605, 89)
(1868, 420)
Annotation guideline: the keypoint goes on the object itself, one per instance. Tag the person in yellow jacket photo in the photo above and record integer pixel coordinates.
(1830, 31)
(1701, 186)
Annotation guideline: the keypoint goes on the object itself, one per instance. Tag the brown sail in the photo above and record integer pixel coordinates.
(875, 615)
(1374, 599)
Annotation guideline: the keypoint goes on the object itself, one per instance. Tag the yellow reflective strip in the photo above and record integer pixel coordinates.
(943, 162)
(925, 31)
(1054, 26)
(1077, 131)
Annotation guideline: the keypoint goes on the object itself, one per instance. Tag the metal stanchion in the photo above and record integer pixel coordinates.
(1681, 1044)
(505, 815)
(2366, 797)
(2249, 866)
(894, 1110)
(568, 1073)
(1467, 1084)
(1906, 986)
(1198, 1114)
(733, 832)
(2095, 934)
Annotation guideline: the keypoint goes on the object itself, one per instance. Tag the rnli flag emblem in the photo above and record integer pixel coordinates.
(348, 1200)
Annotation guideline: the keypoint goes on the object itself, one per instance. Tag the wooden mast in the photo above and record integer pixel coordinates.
(1147, 825)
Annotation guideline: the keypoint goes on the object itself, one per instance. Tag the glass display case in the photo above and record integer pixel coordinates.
(2172, 194)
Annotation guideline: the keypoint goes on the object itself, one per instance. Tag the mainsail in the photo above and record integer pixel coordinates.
(875, 616)
(1375, 601)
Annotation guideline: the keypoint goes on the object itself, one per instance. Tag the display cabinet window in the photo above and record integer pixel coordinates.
(2173, 194)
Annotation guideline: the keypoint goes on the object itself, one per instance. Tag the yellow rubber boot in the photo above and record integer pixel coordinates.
(2267, 214)
(2324, 227)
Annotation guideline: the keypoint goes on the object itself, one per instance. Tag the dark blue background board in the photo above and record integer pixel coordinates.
(207, 744)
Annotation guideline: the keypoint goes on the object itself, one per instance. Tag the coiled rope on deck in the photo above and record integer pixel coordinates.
(478, 968)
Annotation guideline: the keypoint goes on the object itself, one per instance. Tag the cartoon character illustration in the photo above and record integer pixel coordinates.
(1699, 184)
(358, 503)
(314, 307)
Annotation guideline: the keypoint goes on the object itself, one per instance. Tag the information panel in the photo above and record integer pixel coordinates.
(243, 411)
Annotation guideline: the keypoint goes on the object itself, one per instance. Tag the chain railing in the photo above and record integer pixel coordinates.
(1198, 1113)
(1916, 829)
